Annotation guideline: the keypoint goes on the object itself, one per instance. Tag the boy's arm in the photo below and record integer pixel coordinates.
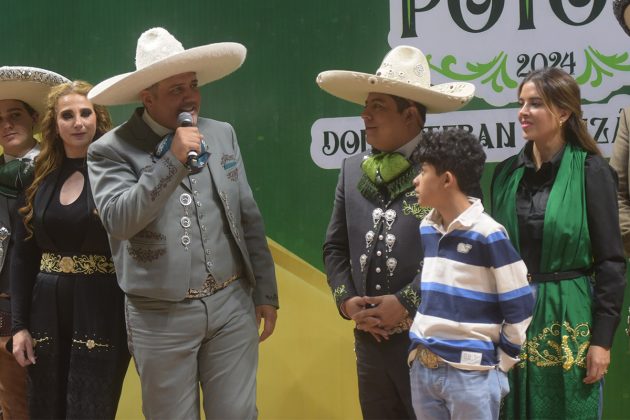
(515, 298)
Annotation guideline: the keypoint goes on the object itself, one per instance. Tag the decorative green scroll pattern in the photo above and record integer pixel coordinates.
(594, 70)
(495, 71)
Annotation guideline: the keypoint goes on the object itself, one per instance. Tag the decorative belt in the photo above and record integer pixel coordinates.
(428, 359)
(558, 275)
(76, 264)
(210, 287)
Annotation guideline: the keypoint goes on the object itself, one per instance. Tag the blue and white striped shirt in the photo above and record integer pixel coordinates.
(476, 301)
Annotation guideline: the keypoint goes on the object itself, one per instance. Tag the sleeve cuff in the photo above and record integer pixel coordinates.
(603, 331)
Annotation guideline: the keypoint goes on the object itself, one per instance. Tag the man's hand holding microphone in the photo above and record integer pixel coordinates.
(186, 144)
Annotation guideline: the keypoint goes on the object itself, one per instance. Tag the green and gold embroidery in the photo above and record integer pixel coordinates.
(415, 209)
(552, 348)
(410, 296)
(340, 292)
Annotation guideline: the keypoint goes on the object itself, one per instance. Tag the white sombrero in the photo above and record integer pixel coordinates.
(28, 84)
(159, 56)
(404, 72)
(622, 13)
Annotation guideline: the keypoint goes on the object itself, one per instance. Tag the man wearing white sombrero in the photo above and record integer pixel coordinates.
(372, 251)
(187, 237)
(23, 92)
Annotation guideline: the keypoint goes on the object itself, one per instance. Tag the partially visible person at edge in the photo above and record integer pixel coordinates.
(372, 250)
(476, 301)
(620, 159)
(23, 92)
(68, 314)
(187, 236)
(557, 200)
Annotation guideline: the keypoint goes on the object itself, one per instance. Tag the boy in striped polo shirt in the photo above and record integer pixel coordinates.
(476, 301)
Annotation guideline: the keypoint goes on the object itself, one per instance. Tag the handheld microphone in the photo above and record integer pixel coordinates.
(184, 119)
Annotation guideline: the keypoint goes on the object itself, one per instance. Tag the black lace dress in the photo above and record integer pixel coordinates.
(65, 293)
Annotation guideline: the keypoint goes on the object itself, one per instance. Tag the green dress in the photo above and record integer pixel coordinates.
(547, 382)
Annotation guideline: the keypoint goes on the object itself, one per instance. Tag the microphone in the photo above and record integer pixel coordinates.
(184, 119)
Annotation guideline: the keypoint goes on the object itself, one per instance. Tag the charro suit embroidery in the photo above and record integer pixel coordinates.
(148, 234)
(229, 163)
(414, 209)
(172, 170)
(229, 214)
(145, 255)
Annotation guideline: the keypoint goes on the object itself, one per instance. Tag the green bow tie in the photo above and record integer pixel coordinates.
(384, 167)
(14, 176)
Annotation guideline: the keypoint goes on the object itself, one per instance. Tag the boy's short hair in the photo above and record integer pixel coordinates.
(457, 151)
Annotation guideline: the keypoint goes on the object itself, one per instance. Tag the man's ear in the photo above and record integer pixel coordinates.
(146, 97)
(412, 115)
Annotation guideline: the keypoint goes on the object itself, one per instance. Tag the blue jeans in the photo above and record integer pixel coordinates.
(450, 393)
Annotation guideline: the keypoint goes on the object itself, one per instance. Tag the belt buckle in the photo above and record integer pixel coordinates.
(428, 358)
(66, 265)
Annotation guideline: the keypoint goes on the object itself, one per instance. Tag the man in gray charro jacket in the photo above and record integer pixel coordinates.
(372, 251)
(187, 237)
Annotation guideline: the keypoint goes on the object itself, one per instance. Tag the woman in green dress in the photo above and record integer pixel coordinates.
(557, 199)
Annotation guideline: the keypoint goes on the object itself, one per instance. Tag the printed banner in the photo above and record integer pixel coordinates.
(334, 139)
(494, 44)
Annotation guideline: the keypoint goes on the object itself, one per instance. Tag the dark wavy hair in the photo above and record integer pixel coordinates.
(52, 153)
(456, 151)
(557, 88)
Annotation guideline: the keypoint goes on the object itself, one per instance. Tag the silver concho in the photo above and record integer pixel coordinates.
(362, 261)
(4, 233)
(391, 265)
(369, 238)
(185, 240)
(185, 199)
(185, 221)
(390, 217)
(390, 240)
(377, 213)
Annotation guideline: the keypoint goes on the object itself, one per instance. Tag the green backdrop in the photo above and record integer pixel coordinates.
(272, 101)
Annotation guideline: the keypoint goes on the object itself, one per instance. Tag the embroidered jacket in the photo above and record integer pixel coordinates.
(372, 244)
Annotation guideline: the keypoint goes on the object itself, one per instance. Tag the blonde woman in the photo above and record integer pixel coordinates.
(68, 318)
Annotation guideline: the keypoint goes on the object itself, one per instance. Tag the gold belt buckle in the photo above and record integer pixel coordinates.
(428, 358)
(66, 265)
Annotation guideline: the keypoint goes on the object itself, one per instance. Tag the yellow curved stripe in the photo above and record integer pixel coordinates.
(307, 367)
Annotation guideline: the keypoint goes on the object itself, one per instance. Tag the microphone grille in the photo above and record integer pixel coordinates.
(184, 119)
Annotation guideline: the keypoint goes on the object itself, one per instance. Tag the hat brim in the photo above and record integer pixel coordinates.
(355, 87)
(210, 62)
(28, 84)
(622, 13)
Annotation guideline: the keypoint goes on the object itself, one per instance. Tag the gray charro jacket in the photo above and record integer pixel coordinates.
(138, 198)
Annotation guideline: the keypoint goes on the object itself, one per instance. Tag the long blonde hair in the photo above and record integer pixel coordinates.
(52, 154)
(557, 88)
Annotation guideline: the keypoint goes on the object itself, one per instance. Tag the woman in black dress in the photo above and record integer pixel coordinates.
(68, 316)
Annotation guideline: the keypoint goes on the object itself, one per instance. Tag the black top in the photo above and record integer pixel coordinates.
(72, 229)
(65, 224)
(609, 264)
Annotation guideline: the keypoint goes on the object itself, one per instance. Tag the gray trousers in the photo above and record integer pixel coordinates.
(211, 341)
